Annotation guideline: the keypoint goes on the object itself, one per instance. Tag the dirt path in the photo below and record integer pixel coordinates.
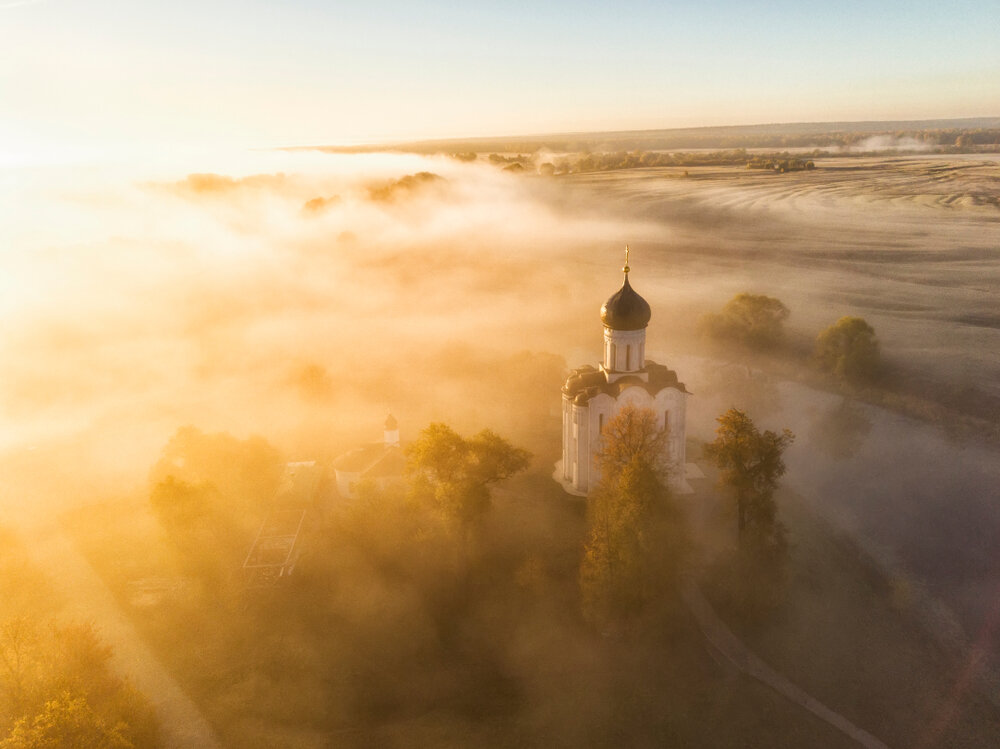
(88, 599)
(733, 650)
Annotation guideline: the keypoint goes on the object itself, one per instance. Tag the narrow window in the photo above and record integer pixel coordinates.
(666, 421)
(614, 357)
(628, 357)
(600, 423)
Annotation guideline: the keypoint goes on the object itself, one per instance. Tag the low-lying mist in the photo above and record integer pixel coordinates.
(138, 303)
(299, 296)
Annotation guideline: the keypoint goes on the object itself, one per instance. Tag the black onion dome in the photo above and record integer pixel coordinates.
(626, 310)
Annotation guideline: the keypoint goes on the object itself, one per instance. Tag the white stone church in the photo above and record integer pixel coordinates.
(592, 396)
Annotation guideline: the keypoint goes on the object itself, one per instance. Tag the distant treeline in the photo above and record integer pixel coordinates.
(972, 134)
(779, 164)
(603, 162)
(874, 140)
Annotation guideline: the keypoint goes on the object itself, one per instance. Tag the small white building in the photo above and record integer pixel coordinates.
(382, 463)
(592, 396)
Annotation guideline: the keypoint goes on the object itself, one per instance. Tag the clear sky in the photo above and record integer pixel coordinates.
(254, 73)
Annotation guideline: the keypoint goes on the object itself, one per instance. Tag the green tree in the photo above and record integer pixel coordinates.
(849, 349)
(751, 463)
(753, 320)
(454, 474)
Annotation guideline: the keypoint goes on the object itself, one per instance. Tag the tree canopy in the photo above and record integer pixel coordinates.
(753, 320)
(67, 722)
(628, 553)
(57, 687)
(750, 462)
(455, 473)
(849, 349)
(633, 434)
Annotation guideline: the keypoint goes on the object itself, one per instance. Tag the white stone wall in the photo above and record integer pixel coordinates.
(582, 428)
(624, 350)
(345, 483)
(567, 439)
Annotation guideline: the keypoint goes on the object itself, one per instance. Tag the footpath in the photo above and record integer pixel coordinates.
(730, 647)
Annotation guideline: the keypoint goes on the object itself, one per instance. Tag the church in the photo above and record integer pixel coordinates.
(592, 396)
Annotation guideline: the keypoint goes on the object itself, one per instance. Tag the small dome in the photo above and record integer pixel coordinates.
(626, 310)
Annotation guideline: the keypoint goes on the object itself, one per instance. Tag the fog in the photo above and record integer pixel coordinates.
(300, 296)
(136, 303)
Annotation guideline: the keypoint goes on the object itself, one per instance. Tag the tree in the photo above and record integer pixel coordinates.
(849, 349)
(753, 320)
(633, 433)
(633, 543)
(455, 473)
(60, 675)
(245, 472)
(67, 722)
(210, 493)
(19, 664)
(750, 463)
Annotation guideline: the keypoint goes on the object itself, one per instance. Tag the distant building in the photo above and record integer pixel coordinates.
(593, 396)
(379, 462)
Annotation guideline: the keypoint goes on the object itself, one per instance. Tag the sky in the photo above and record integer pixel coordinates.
(79, 76)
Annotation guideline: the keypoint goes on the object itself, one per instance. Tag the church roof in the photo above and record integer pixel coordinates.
(625, 309)
(376, 460)
(586, 382)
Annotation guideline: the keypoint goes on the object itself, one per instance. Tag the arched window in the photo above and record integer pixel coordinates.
(613, 362)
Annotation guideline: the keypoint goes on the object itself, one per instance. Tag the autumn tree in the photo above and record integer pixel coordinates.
(632, 434)
(57, 691)
(57, 687)
(455, 474)
(752, 320)
(634, 544)
(67, 722)
(848, 349)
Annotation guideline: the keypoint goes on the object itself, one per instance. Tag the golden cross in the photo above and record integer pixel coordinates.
(626, 268)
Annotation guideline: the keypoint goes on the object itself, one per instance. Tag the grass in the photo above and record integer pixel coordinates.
(852, 636)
